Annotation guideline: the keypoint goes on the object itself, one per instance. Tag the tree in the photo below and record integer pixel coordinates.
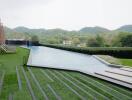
(98, 41)
(126, 41)
(123, 39)
(34, 38)
(76, 41)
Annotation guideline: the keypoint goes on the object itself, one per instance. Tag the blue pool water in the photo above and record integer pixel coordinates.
(61, 59)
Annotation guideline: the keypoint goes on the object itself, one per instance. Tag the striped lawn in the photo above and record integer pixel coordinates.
(49, 84)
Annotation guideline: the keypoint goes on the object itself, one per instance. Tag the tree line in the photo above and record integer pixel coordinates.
(121, 39)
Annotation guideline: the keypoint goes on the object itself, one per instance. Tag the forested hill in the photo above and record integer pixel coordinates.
(94, 30)
(85, 30)
(126, 28)
(90, 36)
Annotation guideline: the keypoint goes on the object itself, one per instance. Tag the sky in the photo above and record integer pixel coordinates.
(66, 14)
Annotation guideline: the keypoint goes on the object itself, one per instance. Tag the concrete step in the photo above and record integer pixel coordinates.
(126, 69)
(120, 72)
(117, 77)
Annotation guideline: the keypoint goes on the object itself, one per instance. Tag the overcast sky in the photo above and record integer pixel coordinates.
(66, 14)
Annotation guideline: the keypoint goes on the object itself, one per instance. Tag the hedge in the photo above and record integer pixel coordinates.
(121, 52)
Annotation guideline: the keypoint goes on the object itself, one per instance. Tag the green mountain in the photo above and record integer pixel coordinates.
(28, 30)
(86, 30)
(126, 28)
(94, 30)
(83, 31)
(21, 29)
(12, 34)
(8, 30)
(40, 31)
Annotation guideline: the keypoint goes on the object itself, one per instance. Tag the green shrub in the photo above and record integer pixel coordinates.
(113, 51)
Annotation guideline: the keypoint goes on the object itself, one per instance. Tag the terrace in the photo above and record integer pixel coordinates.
(88, 64)
(22, 83)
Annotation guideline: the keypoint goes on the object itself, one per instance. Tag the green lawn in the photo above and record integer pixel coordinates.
(39, 83)
(126, 62)
(118, 61)
(8, 63)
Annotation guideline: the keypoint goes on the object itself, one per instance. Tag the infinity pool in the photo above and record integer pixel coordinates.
(61, 59)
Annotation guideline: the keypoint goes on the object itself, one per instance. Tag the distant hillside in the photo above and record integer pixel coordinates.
(126, 28)
(86, 30)
(83, 31)
(12, 34)
(28, 30)
(8, 30)
(39, 31)
(94, 30)
(21, 29)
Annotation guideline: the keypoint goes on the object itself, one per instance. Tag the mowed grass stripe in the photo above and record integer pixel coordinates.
(10, 97)
(43, 81)
(86, 86)
(120, 89)
(54, 92)
(112, 91)
(96, 88)
(25, 93)
(36, 90)
(60, 88)
(1, 81)
(19, 80)
(75, 85)
(47, 75)
(90, 92)
(70, 88)
(28, 84)
(38, 85)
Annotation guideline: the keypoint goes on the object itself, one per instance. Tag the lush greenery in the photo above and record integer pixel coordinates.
(42, 83)
(8, 63)
(85, 37)
(126, 62)
(118, 61)
(114, 51)
(110, 59)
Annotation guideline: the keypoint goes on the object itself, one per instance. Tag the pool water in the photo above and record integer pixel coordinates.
(61, 59)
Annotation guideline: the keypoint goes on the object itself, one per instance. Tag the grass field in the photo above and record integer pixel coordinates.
(126, 62)
(118, 61)
(22, 83)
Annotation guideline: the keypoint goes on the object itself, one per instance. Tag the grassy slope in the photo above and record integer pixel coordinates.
(110, 59)
(94, 86)
(126, 62)
(113, 60)
(8, 63)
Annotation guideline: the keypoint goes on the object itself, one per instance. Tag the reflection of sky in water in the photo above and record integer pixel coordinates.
(50, 57)
(61, 59)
